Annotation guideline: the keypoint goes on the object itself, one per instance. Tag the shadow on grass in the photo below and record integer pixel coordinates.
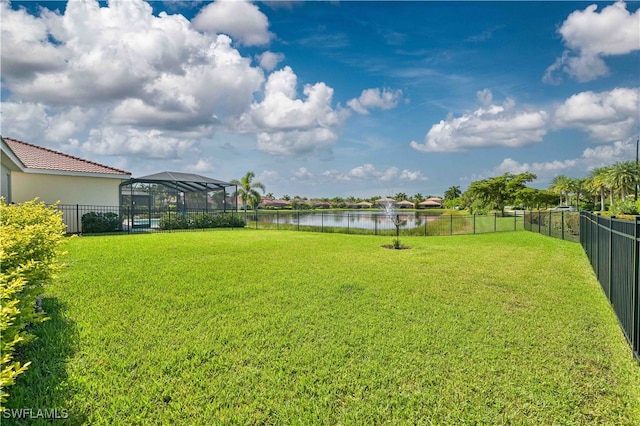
(41, 395)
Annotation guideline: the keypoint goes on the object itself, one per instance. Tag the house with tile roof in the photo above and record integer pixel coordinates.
(431, 202)
(29, 171)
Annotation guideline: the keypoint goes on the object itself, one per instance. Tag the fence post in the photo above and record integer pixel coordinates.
(610, 257)
(321, 221)
(635, 312)
(515, 220)
(474, 223)
(348, 230)
(495, 222)
(562, 224)
(539, 224)
(78, 224)
(278, 219)
(451, 225)
(298, 219)
(597, 256)
(425, 225)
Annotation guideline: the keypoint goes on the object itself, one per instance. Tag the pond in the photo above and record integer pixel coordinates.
(346, 219)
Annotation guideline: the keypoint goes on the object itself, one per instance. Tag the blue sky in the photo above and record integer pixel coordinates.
(324, 99)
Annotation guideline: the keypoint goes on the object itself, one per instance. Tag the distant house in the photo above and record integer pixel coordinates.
(384, 201)
(404, 204)
(433, 202)
(320, 204)
(364, 205)
(274, 204)
(30, 171)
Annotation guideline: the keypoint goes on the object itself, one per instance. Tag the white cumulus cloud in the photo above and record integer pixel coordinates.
(490, 125)
(606, 155)
(368, 172)
(412, 175)
(589, 36)
(152, 144)
(599, 156)
(203, 165)
(204, 93)
(270, 60)
(375, 98)
(544, 168)
(156, 70)
(35, 121)
(336, 176)
(302, 174)
(25, 45)
(606, 116)
(239, 19)
(288, 125)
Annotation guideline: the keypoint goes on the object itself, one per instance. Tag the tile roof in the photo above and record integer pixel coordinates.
(37, 157)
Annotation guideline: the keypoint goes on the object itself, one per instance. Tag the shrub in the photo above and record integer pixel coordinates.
(31, 238)
(478, 207)
(200, 221)
(173, 221)
(396, 243)
(230, 221)
(203, 221)
(624, 207)
(94, 223)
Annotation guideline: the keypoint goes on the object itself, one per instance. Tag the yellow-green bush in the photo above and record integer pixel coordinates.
(30, 238)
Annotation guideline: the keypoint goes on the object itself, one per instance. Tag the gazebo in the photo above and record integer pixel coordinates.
(147, 197)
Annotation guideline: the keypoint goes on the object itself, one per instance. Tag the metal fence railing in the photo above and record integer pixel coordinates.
(613, 248)
(85, 219)
(558, 224)
(376, 222)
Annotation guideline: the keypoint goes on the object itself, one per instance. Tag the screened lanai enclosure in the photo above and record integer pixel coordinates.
(173, 200)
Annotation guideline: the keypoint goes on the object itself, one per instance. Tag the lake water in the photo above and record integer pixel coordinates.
(348, 219)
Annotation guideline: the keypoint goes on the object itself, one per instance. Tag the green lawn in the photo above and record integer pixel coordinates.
(267, 327)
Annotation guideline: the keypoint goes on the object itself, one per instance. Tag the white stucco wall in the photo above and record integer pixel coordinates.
(5, 182)
(49, 188)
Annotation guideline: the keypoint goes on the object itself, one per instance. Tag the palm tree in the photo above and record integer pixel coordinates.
(248, 191)
(452, 193)
(400, 196)
(578, 187)
(623, 176)
(561, 185)
(599, 183)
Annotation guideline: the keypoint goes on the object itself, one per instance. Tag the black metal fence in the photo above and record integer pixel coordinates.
(372, 222)
(85, 219)
(613, 248)
(558, 224)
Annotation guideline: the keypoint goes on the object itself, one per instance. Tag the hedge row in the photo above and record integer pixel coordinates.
(200, 221)
(94, 223)
(29, 247)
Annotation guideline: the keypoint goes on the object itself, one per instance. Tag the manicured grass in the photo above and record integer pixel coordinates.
(266, 327)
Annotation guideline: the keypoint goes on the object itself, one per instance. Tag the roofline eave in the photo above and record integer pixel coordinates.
(73, 173)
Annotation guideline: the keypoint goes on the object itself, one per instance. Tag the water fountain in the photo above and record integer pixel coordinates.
(390, 212)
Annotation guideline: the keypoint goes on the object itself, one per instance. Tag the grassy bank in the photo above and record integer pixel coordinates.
(253, 327)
